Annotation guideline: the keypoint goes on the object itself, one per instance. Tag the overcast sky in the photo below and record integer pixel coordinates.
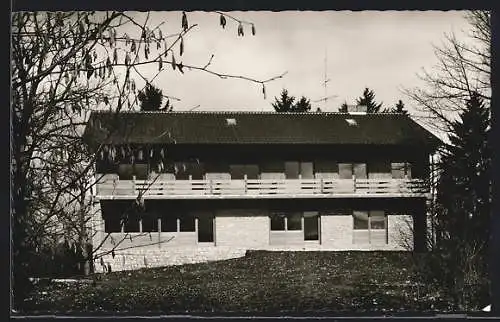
(381, 50)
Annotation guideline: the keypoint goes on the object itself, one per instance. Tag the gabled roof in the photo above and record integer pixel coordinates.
(255, 128)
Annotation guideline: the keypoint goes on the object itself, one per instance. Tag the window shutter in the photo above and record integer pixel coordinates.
(292, 169)
(307, 170)
(398, 170)
(345, 170)
(360, 170)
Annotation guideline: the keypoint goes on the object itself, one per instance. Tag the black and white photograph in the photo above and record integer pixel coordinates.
(250, 162)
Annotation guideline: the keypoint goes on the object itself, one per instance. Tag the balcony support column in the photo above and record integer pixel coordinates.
(420, 226)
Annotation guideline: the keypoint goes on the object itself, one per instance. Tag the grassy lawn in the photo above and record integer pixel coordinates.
(261, 282)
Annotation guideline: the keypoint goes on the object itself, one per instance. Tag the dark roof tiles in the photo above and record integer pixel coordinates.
(255, 128)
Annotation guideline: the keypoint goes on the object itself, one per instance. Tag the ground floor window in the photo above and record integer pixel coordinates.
(311, 225)
(370, 227)
(201, 225)
(169, 224)
(206, 229)
(131, 224)
(283, 221)
(112, 224)
(149, 224)
(187, 223)
(299, 221)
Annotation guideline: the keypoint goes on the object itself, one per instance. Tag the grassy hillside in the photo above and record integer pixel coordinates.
(261, 282)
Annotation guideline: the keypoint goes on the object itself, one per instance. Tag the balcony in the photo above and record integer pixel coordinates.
(262, 188)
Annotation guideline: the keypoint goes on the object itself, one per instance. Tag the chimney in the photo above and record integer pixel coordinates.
(357, 109)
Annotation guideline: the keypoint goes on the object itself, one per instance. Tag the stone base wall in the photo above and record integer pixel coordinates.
(145, 257)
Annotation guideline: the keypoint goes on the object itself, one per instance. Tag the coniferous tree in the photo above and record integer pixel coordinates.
(285, 103)
(368, 100)
(150, 98)
(463, 200)
(464, 187)
(343, 107)
(303, 105)
(400, 108)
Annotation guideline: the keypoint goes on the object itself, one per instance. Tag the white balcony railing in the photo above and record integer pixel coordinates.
(262, 188)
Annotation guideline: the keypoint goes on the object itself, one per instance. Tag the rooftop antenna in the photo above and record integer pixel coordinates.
(325, 98)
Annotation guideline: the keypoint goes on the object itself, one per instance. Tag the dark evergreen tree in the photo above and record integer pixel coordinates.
(150, 98)
(343, 108)
(400, 108)
(368, 100)
(463, 205)
(464, 187)
(285, 103)
(303, 105)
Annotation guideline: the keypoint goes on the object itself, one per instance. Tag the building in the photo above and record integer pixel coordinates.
(183, 187)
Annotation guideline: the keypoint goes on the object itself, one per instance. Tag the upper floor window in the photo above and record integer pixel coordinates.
(296, 169)
(347, 170)
(185, 170)
(238, 171)
(128, 171)
(401, 170)
(326, 169)
(380, 169)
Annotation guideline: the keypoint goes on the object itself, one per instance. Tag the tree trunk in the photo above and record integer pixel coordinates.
(19, 240)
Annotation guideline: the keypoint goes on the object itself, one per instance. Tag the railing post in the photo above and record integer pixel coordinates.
(245, 177)
(159, 232)
(196, 227)
(354, 183)
(321, 185)
(211, 186)
(133, 185)
(190, 177)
